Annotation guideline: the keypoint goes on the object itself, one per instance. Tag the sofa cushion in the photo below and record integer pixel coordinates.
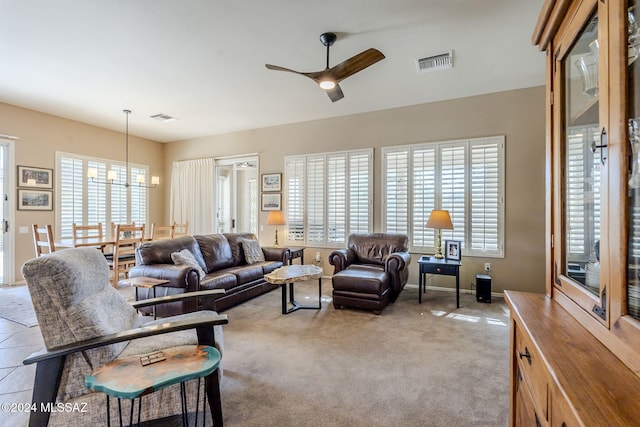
(215, 251)
(235, 241)
(246, 273)
(269, 266)
(185, 257)
(252, 251)
(159, 251)
(219, 280)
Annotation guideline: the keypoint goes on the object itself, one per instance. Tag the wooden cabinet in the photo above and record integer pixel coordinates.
(593, 222)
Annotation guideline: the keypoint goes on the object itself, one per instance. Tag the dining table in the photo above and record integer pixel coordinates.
(97, 242)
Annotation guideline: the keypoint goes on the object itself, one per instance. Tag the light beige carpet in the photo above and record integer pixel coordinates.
(414, 365)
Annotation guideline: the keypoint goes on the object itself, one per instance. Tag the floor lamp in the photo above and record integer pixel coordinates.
(439, 220)
(276, 218)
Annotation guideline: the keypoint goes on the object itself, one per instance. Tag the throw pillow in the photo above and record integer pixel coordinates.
(252, 251)
(185, 257)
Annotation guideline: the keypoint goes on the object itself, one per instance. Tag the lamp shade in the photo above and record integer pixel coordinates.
(439, 219)
(275, 218)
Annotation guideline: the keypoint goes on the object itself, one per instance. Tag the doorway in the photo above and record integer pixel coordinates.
(237, 195)
(5, 236)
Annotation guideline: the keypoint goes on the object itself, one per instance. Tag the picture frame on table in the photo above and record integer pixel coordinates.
(271, 202)
(271, 182)
(32, 177)
(35, 200)
(452, 250)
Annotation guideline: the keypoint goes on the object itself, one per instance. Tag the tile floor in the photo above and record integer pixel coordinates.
(16, 380)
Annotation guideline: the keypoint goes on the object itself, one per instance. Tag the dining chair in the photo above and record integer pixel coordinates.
(85, 232)
(181, 229)
(127, 239)
(113, 227)
(159, 232)
(43, 239)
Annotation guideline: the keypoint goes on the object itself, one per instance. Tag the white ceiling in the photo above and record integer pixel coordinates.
(202, 61)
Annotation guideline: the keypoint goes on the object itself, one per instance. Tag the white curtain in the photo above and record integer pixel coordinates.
(193, 195)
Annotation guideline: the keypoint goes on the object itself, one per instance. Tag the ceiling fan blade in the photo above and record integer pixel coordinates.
(335, 94)
(355, 64)
(278, 68)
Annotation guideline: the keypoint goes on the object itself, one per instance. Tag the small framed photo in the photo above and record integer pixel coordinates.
(452, 250)
(35, 200)
(271, 202)
(35, 177)
(271, 182)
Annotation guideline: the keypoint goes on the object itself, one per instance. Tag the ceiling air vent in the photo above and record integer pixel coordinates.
(163, 117)
(435, 62)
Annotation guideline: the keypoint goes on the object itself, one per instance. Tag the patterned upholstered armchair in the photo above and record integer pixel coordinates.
(86, 323)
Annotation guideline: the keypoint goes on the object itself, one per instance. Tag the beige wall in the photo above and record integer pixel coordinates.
(518, 114)
(41, 135)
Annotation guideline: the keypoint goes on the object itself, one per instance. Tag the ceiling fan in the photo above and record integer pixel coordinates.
(329, 78)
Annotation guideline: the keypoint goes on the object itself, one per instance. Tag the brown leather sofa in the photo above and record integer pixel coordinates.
(221, 256)
(371, 272)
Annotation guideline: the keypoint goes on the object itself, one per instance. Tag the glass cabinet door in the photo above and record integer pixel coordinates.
(633, 136)
(583, 159)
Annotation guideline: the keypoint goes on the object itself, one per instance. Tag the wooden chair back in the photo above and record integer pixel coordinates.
(114, 225)
(159, 232)
(43, 239)
(127, 239)
(180, 229)
(83, 232)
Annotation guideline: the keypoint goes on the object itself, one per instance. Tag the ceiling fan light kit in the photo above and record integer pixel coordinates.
(329, 78)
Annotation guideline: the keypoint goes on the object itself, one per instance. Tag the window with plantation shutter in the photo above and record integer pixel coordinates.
(396, 182)
(464, 177)
(328, 196)
(294, 184)
(84, 201)
(582, 193)
(423, 182)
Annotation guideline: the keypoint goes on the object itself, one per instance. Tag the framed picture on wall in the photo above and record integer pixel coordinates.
(271, 182)
(35, 200)
(35, 177)
(271, 202)
(452, 250)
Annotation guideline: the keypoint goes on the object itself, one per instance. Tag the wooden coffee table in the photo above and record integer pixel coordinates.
(289, 274)
(144, 282)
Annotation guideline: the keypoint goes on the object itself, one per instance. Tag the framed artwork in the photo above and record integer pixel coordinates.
(271, 202)
(35, 177)
(271, 182)
(35, 200)
(452, 250)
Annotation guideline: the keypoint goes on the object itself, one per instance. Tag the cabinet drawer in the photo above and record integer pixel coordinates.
(561, 413)
(532, 369)
(449, 270)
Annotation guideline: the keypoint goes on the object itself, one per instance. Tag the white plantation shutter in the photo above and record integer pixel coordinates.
(315, 200)
(328, 197)
(336, 198)
(486, 200)
(582, 193)
(360, 172)
(464, 177)
(294, 176)
(84, 201)
(138, 196)
(70, 194)
(424, 196)
(396, 179)
(452, 189)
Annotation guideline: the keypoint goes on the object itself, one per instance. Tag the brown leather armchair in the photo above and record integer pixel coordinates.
(372, 270)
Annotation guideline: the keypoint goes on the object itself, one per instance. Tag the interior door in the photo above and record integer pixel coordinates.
(237, 195)
(5, 236)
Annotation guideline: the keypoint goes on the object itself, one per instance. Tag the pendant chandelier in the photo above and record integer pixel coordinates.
(112, 175)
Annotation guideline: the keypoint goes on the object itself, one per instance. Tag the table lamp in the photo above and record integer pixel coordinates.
(439, 220)
(276, 218)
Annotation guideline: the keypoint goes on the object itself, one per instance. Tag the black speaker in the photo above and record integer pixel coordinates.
(483, 288)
